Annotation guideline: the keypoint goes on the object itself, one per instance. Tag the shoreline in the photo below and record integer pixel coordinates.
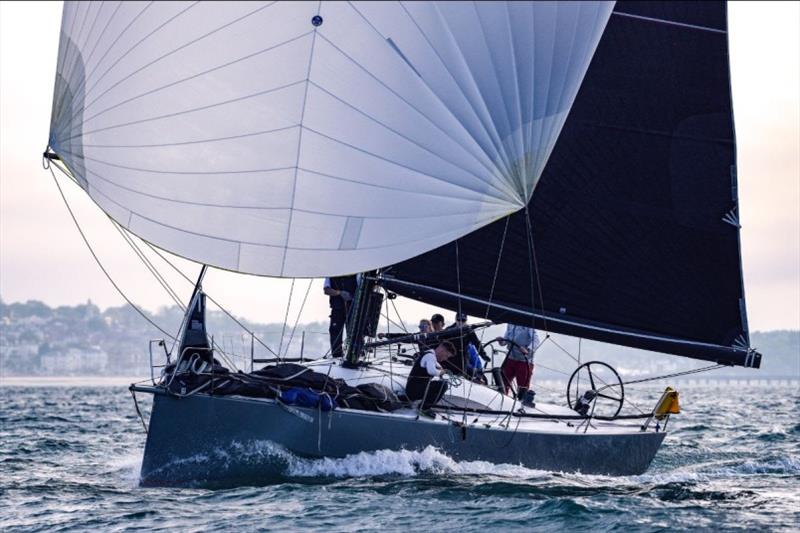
(68, 381)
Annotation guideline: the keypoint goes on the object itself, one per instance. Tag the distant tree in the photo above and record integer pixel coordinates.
(29, 309)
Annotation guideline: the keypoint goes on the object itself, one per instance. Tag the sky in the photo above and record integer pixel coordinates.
(42, 255)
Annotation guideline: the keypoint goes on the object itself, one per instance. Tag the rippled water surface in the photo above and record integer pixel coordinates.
(69, 459)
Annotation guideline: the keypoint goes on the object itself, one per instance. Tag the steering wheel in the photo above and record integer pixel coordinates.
(605, 395)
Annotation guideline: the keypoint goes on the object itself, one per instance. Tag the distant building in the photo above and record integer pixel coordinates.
(74, 361)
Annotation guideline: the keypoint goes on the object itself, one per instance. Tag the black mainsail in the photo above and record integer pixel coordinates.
(634, 224)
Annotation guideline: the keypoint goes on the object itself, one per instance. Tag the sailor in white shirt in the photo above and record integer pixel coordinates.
(420, 384)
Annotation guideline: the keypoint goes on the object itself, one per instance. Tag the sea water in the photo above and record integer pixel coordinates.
(70, 456)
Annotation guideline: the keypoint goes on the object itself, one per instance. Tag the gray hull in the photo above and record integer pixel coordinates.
(219, 441)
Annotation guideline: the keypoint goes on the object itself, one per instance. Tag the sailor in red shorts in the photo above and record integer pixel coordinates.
(518, 365)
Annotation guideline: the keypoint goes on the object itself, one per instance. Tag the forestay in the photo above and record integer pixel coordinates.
(307, 139)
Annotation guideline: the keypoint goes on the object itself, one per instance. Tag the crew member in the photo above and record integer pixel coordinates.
(460, 364)
(420, 384)
(437, 321)
(519, 363)
(340, 293)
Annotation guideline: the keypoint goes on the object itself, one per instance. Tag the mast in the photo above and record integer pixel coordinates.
(364, 317)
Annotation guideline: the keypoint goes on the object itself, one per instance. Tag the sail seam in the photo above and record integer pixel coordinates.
(452, 233)
(300, 140)
(163, 56)
(66, 71)
(194, 76)
(277, 208)
(131, 49)
(187, 111)
(278, 169)
(197, 141)
(497, 86)
(488, 165)
(483, 115)
(415, 143)
(82, 83)
(401, 165)
(493, 139)
(154, 171)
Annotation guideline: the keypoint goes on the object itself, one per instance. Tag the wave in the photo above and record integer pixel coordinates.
(404, 463)
(265, 462)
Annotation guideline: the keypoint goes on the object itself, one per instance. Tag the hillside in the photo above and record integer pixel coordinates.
(83, 340)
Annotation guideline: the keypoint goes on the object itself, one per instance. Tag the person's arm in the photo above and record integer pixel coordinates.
(328, 290)
(429, 363)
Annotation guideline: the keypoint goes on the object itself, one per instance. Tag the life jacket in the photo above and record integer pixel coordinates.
(418, 379)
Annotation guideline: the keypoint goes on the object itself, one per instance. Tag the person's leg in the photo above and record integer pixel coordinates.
(434, 394)
(508, 374)
(524, 373)
(336, 331)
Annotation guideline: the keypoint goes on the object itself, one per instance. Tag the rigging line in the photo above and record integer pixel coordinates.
(223, 309)
(100, 264)
(399, 317)
(496, 272)
(534, 269)
(601, 380)
(676, 374)
(299, 313)
(286, 316)
(540, 365)
(461, 337)
(390, 321)
(149, 265)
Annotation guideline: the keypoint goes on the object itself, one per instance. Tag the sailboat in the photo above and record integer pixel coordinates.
(564, 166)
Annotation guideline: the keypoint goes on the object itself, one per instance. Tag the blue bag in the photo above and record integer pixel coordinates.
(307, 398)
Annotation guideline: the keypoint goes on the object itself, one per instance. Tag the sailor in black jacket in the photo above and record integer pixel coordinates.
(340, 293)
(420, 384)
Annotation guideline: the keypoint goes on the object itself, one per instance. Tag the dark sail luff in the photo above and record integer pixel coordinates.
(635, 219)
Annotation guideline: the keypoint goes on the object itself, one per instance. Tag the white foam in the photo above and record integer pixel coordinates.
(401, 462)
(127, 466)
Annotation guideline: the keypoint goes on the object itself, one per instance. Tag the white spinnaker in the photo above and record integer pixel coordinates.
(247, 137)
